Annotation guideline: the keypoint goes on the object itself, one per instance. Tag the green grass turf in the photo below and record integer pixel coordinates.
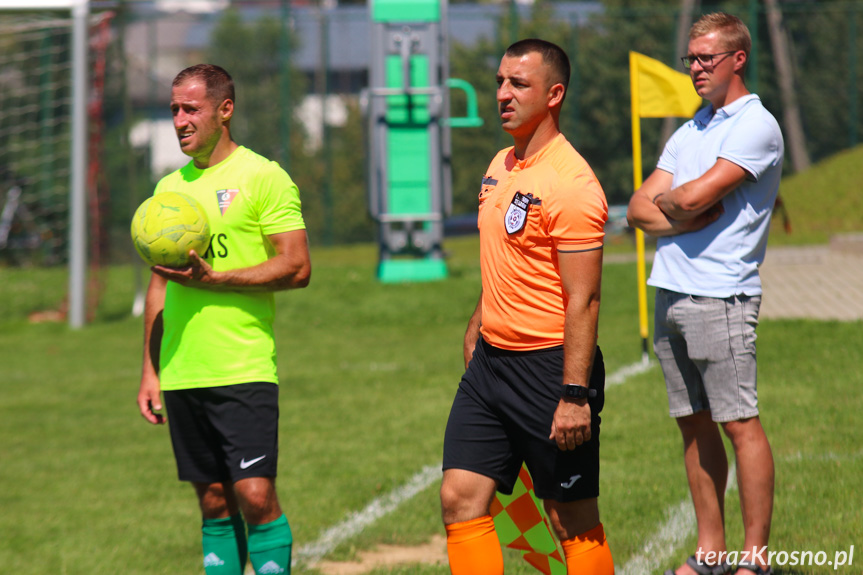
(822, 201)
(368, 373)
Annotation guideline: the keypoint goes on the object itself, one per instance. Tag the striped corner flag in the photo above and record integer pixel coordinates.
(521, 524)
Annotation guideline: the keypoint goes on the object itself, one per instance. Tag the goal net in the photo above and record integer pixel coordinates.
(35, 131)
(38, 148)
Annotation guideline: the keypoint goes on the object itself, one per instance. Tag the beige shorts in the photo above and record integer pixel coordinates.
(706, 347)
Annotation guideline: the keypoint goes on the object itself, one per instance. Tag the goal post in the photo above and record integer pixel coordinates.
(77, 218)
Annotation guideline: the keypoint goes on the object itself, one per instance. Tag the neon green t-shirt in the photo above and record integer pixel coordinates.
(215, 338)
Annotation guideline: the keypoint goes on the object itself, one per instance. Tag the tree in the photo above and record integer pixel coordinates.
(603, 125)
(246, 50)
(684, 22)
(596, 113)
(249, 51)
(827, 58)
(794, 137)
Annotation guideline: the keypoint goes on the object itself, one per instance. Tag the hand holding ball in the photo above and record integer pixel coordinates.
(166, 226)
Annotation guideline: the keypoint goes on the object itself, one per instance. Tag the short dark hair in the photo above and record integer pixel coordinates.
(552, 55)
(220, 85)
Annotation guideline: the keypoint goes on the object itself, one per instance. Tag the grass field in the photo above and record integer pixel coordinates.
(368, 372)
(823, 200)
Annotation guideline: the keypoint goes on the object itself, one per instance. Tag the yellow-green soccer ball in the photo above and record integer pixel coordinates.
(166, 226)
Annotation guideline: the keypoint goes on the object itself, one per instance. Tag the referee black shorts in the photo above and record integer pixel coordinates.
(501, 417)
(224, 434)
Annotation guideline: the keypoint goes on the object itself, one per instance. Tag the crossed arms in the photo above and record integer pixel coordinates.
(659, 210)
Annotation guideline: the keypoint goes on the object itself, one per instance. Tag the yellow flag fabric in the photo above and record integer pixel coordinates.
(661, 91)
(657, 91)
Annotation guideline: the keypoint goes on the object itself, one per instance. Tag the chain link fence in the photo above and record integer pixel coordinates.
(300, 69)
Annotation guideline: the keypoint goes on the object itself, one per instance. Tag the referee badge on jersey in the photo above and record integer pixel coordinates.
(516, 214)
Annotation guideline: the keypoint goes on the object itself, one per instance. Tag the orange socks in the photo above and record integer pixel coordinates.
(474, 549)
(588, 553)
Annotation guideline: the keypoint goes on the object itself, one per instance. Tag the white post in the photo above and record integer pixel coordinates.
(78, 177)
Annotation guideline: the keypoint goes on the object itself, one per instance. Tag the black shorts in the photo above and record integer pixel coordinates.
(501, 417)
(224, 433)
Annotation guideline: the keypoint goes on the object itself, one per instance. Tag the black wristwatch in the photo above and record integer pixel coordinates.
(575, 391)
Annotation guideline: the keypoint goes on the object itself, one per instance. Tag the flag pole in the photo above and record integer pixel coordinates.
(637, 181)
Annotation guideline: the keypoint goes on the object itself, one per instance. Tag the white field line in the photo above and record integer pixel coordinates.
(680, 521)
(627, 371)
(821, 457)
(310, 554)
(669, 536)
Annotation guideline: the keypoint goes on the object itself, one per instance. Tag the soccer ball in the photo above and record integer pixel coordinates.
(166, 226)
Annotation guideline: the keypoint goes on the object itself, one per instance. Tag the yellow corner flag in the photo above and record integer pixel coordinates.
(656, 91)
(660, 90)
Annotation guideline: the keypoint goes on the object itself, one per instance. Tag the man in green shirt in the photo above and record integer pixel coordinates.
(216, 361)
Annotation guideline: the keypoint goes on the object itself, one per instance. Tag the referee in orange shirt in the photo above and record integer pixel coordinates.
(534, 381)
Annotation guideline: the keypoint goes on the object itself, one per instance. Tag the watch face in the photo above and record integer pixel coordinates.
(575, 391)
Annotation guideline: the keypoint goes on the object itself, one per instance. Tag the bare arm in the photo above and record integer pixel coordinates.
(697, 197)
(471, 335)
(290, 268)
(581, 274)
(149, 401)
(642, 213)
(659, 210)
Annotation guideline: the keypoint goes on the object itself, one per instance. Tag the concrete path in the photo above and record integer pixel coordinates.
(807, 282)
(815, 282)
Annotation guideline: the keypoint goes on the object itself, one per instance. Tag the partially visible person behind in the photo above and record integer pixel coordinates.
(534, 381)
(709, 202)
(216, 362)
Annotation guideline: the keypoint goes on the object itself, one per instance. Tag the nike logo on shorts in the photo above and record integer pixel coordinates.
(246, 464)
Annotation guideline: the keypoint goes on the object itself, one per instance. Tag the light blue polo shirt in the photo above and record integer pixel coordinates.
(722, 259)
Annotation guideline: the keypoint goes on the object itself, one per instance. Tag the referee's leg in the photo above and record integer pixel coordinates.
(581, 535)
(472, 543)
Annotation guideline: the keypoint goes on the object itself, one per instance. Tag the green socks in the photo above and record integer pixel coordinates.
(270, 547)
(224, 543)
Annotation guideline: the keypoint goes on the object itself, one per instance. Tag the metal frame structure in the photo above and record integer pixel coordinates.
(407, 104)
(80, 10)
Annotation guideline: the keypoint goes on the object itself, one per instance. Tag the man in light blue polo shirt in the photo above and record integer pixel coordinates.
(709, 202)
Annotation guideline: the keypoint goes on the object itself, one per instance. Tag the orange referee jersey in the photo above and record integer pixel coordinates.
(528, 211)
